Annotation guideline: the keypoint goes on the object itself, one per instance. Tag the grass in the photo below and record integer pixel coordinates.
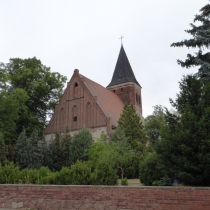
(132, 182)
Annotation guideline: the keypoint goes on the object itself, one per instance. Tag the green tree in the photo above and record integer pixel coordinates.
(3, 149)
(28, 153)
(118, 135)
(153, 124)
(65, 142)
(20, 148)
(122, 154)
(152, 169)
(185, 138)
(201, 40)
(52, 155)
(12, 103)
(132, 126)
(80, 143)
(42, 91)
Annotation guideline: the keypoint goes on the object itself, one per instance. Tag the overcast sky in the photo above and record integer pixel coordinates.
(84, 34)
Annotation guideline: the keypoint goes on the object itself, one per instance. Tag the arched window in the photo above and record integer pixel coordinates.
(61, 119)
(88, 115)
(76, 88)
(74, 117)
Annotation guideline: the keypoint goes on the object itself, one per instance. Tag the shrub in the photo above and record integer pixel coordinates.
(9, 174)
(151, 169)
(124, 181)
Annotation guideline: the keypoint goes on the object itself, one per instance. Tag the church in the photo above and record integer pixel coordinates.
(86, 103)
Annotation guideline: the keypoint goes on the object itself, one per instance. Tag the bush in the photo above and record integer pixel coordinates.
(9, 174)
(80, 174)
(28, 176)
(124, 181)
(151, 169)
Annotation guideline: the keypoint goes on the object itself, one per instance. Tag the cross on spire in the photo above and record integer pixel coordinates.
(121, 39)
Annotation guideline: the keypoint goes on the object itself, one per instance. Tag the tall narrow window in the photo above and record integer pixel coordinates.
(136, 98)
(139, 99)
(76, 89)
(74, 118)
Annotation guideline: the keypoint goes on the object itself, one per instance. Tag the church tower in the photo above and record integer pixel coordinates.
(124, 82)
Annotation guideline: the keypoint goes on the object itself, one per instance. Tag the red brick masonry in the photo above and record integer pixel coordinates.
(42, 197)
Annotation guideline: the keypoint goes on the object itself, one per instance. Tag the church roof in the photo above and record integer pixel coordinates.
(108, 101)
(123, 72)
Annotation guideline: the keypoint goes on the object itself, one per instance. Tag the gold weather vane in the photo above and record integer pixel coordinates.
(121, 39)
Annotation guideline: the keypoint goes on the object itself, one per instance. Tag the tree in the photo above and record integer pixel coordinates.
(185, 138)
(3, 149)
(118, 135)
(28, 153)
(123, 155)
(132, 126)
(52, 155)
(79, 144)
(65, 142)
(42, 90)
(152, 169)
(153, 124)
(12, 103)
(200, 39)
(20, 148)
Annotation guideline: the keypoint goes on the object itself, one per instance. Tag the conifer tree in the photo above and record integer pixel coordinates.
(27, 151)
(185, 139)
(21, 154)
(201, 40)
(79, 144)
(35, 156)
(132, 126)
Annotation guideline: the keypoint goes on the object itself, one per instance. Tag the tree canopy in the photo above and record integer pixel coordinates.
(153, 124)
(29, 92)
(200, 39)
(131, 124)
(185, 139)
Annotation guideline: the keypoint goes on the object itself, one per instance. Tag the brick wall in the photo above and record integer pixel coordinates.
(39, 197)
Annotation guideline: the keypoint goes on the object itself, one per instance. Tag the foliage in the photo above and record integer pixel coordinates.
(201, 40)
(80, 173)
(122, 154)
(79, 144)
(12, 103)
(27, 151)
(185, 139)
(52, 156)
(3, 149)
(132, 126)
(29, 93)
(165, 181)
(118, 135)
(151, 169)
(9, 174)
(124, 181)
(153, 124)
(102, 159)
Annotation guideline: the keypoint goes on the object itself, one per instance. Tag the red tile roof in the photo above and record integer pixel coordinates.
(108, 101)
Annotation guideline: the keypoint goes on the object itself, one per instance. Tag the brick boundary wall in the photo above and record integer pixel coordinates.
(51, 197)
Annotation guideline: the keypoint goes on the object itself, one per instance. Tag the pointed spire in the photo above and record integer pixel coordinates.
(123, 72)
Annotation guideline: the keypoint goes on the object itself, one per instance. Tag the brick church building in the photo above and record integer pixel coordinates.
(86, 103)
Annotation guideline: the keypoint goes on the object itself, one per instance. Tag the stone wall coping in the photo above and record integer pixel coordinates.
(106, 186)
